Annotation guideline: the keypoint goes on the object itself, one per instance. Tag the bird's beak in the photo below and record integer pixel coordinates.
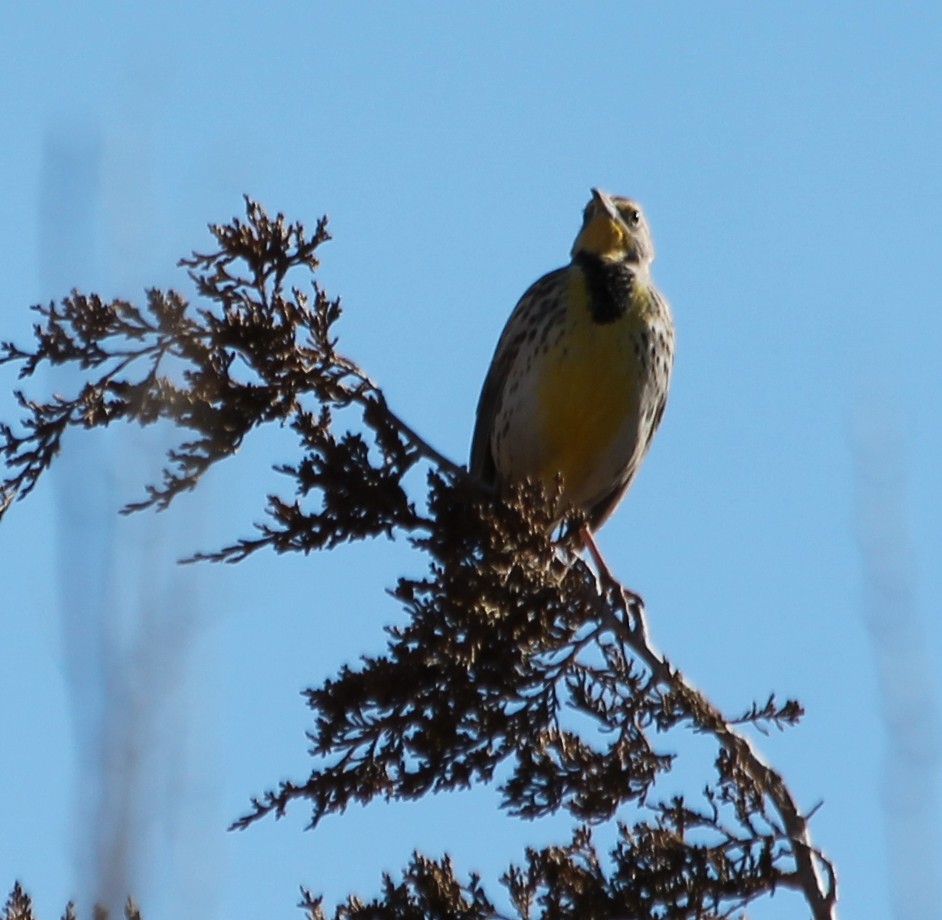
(607, 204)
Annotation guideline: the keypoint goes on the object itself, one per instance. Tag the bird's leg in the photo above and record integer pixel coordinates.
(589, 541)
(605, 573)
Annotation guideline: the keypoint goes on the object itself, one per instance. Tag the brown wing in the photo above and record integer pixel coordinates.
(532, 309)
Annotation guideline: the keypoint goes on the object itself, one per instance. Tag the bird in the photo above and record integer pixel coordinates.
(579, 379)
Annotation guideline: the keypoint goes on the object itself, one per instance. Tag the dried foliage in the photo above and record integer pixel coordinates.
(19, 906)
(514, 654)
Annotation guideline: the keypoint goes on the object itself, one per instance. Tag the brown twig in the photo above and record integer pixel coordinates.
(820, 894)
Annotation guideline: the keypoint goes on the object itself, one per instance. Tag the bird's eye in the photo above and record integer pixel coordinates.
(633, 216)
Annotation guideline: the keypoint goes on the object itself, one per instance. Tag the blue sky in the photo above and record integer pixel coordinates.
(784, 530)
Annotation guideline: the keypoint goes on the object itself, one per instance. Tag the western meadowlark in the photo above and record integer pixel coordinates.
(579, 380)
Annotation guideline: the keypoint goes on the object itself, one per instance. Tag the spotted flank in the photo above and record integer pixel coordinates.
(579, 380)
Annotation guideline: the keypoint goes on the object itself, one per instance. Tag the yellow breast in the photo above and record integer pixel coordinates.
(588, 399)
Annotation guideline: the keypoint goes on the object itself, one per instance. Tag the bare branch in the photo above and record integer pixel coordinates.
(743, 763)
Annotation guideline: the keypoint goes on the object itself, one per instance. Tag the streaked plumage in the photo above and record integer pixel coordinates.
(579, 380)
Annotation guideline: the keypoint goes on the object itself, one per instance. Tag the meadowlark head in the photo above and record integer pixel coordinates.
(615, 230)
